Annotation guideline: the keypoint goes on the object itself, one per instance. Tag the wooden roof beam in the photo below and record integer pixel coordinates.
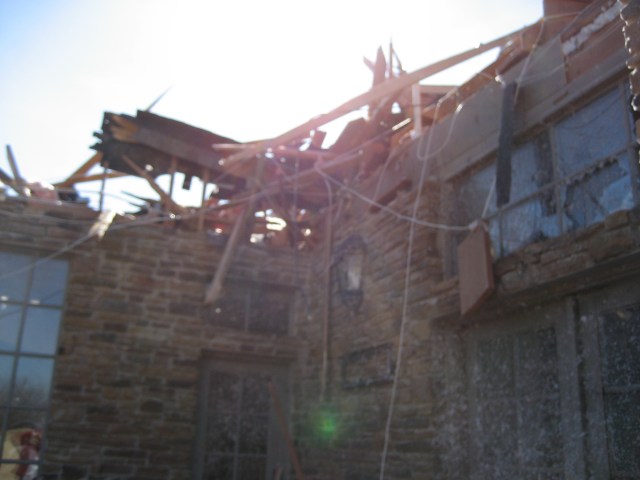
(374, 94)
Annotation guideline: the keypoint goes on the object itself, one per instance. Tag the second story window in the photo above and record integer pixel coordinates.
(570, 176)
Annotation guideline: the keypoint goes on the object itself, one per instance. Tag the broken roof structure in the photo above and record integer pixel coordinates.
(449, 290)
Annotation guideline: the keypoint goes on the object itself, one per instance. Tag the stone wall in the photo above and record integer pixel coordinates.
(134, 331)
(342, 436)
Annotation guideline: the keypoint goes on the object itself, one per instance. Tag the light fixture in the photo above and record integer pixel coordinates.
(349, 268)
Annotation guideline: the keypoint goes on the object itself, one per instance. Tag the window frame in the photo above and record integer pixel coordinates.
(558, 184)
(34, 260)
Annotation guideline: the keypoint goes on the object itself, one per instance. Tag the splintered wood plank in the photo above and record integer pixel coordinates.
(282, 422)
(23, 191)
(8, 181)
(215, 288)
(89, 178)
(81, 172)
(475, 270)
(376, 93)
(166, 199)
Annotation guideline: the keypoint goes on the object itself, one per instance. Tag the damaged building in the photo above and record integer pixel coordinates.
(449, 291)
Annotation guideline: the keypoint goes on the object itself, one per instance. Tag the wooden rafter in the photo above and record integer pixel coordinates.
(81, 172)
(166, 199)
(376, 93)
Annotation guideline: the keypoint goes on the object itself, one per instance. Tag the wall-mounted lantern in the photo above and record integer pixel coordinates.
(349, 267)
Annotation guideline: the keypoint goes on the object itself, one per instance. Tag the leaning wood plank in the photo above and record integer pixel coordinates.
(23, 191)
(89, 178)
(166, 199)
(8, 181)
(376, 93)
(102, 223)
(214, 290)
(82, 171)
(293, 455)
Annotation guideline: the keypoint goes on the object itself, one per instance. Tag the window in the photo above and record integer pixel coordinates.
(568, 177)
(257, 308)
(239, 435)
(524, 419)
(517, 409)
(620, 370)
(31, 297)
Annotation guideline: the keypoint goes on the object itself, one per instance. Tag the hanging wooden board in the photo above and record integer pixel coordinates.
(475, 270)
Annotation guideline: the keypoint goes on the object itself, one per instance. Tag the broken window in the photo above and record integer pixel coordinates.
(567, 177)
(239, 437)
(516, 401)
(253, 307)
(31, 297)
(620, 351)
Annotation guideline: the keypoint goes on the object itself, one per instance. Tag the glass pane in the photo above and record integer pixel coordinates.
(270, 310)
(597, 193)
(218, 468)
(498, 435)
(250, 468)
(49, 282)
(33, 382)
(537, 362)
(41, 331)
(540, 434)
(620, 347)
(222, 433)
(255, 394)
(224, 392)
(494, 375)
(14, 276)
(231, 310)
(532, 221)
(623, 424)
(531, 168)
(254, 430)
(592, 133)
(473, 195)
(9, 326)
(6, 369)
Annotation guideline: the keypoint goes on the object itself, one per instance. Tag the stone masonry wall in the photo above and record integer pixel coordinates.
(133, 333)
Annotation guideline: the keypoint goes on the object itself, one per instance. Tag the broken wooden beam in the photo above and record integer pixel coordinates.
(81, 172)
(69, 182)
(215, 288)
(8, 181)
(376, 93)
(166, 199)
(21, 185)
(282, 421)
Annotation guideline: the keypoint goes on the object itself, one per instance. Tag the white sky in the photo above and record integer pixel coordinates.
(246, 69)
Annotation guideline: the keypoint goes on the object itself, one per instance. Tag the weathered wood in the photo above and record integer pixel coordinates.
(166, 199)
(505, 144)
(214, 290)
(376, 93)
(282, 421)
(8, 181)
(23, 191)
(80, 172)
(89, 178)
(202, 212)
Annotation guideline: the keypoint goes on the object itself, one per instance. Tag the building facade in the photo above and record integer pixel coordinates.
(112, 366)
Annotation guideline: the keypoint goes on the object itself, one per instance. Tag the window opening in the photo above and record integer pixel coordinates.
(31, 300)
(620, 353)
(568, 177)
(240, 437)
